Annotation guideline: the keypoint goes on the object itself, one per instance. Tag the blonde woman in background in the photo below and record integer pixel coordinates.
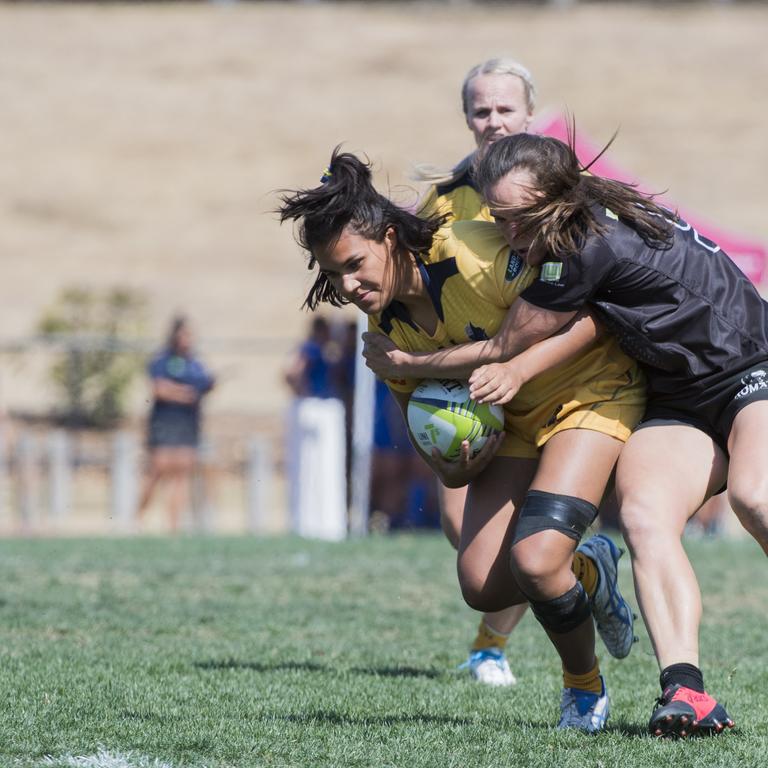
(498, 99)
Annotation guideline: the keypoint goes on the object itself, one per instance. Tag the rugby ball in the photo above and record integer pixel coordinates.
(441, 415)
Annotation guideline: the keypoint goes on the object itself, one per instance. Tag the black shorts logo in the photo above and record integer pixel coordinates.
(752, 382)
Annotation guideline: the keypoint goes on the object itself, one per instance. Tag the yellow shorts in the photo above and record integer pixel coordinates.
(603, 391)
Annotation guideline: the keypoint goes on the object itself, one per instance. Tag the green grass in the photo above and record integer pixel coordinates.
(282, 652)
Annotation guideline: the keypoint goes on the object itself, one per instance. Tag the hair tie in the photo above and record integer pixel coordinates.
(326, 177)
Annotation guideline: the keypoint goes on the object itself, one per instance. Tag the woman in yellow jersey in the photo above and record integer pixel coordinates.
(428, 288)
(497, 98)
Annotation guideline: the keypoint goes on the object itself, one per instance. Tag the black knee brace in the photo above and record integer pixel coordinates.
(542, 511)
(564, 613)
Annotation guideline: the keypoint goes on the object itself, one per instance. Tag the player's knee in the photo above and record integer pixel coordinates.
(543, 511)
(533, 564)
(750, 503)
(548, 527)
(641, 523)
(565, 613)
(480, 590)
(750, 496)
(481, 595)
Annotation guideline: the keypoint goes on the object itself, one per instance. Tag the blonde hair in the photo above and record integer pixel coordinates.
(501, 66)
(432, 174)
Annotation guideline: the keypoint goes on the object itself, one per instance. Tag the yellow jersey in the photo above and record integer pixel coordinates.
(472, 277)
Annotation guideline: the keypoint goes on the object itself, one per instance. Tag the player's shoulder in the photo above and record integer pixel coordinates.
(159, 361)
(483, 258)
(460, 182)
(458, 197)
(478, 242)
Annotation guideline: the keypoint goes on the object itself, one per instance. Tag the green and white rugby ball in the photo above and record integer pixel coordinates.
(441, 415)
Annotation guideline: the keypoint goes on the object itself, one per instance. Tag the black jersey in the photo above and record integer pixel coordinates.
(687, 313)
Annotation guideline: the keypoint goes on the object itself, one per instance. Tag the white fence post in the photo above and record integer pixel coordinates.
(201, 505)
(258, 484)
(125, 476)
(59, 476)
(362, 438)
(4, 473)
(27, 477)
(316, 468)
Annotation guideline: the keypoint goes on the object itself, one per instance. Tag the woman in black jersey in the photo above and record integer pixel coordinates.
(681, 307)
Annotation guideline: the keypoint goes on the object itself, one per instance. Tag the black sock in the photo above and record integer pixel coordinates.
(686, 675)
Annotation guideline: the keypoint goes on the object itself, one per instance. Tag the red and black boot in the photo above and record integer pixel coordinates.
(682, 712)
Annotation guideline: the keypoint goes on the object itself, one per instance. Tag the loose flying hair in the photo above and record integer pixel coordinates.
(496, 66)
(560, 216)
(346, 197)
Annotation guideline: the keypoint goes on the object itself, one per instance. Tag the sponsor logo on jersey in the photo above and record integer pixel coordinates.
(475, 333)
(514, 265)
(551, 271)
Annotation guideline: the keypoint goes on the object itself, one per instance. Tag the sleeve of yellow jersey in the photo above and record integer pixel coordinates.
(396, 385)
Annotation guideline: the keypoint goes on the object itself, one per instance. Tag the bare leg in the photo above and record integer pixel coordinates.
(483, 561)
(158, 468)
(183, 463)
(452, 502)
(747, 476)
(664, 475)
(576, 462)
(389, 484)
(504, 622)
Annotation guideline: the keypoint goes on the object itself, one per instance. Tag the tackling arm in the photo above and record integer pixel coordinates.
(523, 326)
(500, 382)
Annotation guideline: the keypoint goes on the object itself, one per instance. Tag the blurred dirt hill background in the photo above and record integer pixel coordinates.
(141, 144)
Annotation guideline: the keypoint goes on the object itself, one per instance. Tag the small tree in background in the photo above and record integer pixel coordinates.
(97, 365)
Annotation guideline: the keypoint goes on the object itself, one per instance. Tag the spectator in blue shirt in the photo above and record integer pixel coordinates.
(179, 383)
(310, 372)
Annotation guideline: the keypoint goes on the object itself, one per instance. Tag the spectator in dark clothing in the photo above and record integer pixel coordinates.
(179, 383)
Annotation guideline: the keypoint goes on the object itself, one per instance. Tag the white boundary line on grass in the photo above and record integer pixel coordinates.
(103, 759)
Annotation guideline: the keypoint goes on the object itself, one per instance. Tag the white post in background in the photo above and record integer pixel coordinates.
(258, 484)
(4, 474)
(125, 480)
(316, 468)
(362, 438)
(201, 506)
(26, 476)
(59, 476)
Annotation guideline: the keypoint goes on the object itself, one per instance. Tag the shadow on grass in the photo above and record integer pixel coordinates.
(625, 728)
(398, 672)
(338, 718)
(324, 717)
(255, 666)
(310, 666)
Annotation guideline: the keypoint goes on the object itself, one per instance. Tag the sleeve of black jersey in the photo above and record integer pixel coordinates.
(565, 285)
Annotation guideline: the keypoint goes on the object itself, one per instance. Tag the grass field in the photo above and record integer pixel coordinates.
(243, 652)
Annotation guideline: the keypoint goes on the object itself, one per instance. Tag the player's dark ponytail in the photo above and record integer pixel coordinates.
(561, 215)
(346, 197)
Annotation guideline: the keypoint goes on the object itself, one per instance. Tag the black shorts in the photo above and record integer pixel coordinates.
(173, 430)
(714, 410)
